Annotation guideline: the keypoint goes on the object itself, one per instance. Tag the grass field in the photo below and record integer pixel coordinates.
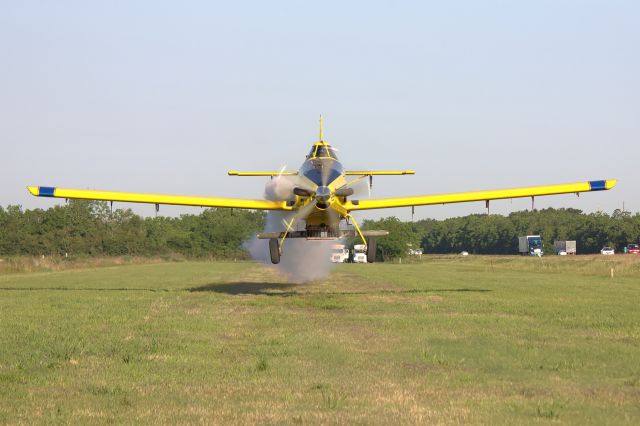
(450, 340)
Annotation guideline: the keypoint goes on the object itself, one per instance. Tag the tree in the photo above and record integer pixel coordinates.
(91, 228)
(401, 237)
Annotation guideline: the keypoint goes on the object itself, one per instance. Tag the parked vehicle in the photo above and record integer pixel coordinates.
(633, 248)
(530, 245)
(565, 247)
(359, 253)
(607, 251)
(339, 253)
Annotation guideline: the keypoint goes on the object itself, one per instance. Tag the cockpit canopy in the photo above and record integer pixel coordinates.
(321, 150)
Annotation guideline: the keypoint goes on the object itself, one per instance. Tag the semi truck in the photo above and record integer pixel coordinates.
(339, 253)
(530, 245)
(565, 247)
(359, 253)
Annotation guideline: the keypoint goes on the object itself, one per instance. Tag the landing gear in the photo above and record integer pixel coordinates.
(371, 250)
(274, 250)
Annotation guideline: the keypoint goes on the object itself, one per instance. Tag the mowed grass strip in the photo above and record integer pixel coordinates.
(448, 340)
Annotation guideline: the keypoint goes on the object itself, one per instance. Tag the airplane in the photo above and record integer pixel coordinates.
(321, 192)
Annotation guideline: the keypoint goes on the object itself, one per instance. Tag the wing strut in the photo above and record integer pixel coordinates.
(357, 228)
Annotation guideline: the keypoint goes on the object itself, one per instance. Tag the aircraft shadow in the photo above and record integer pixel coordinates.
(255, 288)
(153, 290)
(286, 290)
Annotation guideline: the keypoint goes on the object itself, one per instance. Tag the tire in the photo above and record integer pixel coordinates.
(371, 250)
(274, 251)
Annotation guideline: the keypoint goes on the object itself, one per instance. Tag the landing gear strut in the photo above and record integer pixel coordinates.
(274, 250)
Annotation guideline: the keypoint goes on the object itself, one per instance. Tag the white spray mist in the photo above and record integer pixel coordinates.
(302, 260)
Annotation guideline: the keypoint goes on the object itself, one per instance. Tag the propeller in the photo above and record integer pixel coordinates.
(301, 192)
(302, 213)
(283, 187)
(286, 187)
(303, 185)
(354, 187)
(344, 191)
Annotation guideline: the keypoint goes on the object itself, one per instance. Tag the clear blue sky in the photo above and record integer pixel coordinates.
(166, 97)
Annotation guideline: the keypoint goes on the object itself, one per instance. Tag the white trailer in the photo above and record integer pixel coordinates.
(565, 247)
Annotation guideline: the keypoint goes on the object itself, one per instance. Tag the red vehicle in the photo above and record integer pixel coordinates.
(633, 248)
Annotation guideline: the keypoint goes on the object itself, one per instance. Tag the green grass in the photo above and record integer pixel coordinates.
(450, 340)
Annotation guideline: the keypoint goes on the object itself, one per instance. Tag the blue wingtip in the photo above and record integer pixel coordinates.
(46, 191)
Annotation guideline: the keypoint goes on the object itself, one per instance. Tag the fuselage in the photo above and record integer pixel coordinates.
(321, 165)
(326, 173)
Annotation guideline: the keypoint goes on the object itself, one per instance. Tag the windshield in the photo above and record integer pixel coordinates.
(318, 151)
(321, 171)
(535, 242)
(312, 152)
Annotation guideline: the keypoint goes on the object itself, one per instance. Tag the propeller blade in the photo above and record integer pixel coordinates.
(357, 185)
(303, 183)
(325, 175)
(301, 192)
(334, 218)
(283, 187)
(301, 214)
(344, 191)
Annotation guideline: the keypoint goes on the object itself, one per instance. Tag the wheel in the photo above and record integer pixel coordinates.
(371, 250)
(274, 251)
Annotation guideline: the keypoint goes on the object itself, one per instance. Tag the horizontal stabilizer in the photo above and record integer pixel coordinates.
(379, 172)
(236, 173)
(348, 233)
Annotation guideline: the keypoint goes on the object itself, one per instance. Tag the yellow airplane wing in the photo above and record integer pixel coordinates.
(497, 194)
(378, 172)
(272, 174)
(182, 200)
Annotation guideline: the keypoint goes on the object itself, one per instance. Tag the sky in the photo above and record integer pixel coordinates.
(166, 97)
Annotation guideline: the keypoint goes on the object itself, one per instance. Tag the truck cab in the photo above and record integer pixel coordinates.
(359, 253)
(530, 245)
(339, 253)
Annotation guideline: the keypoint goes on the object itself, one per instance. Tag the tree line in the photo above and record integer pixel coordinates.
(91, 228)
(497, 234)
